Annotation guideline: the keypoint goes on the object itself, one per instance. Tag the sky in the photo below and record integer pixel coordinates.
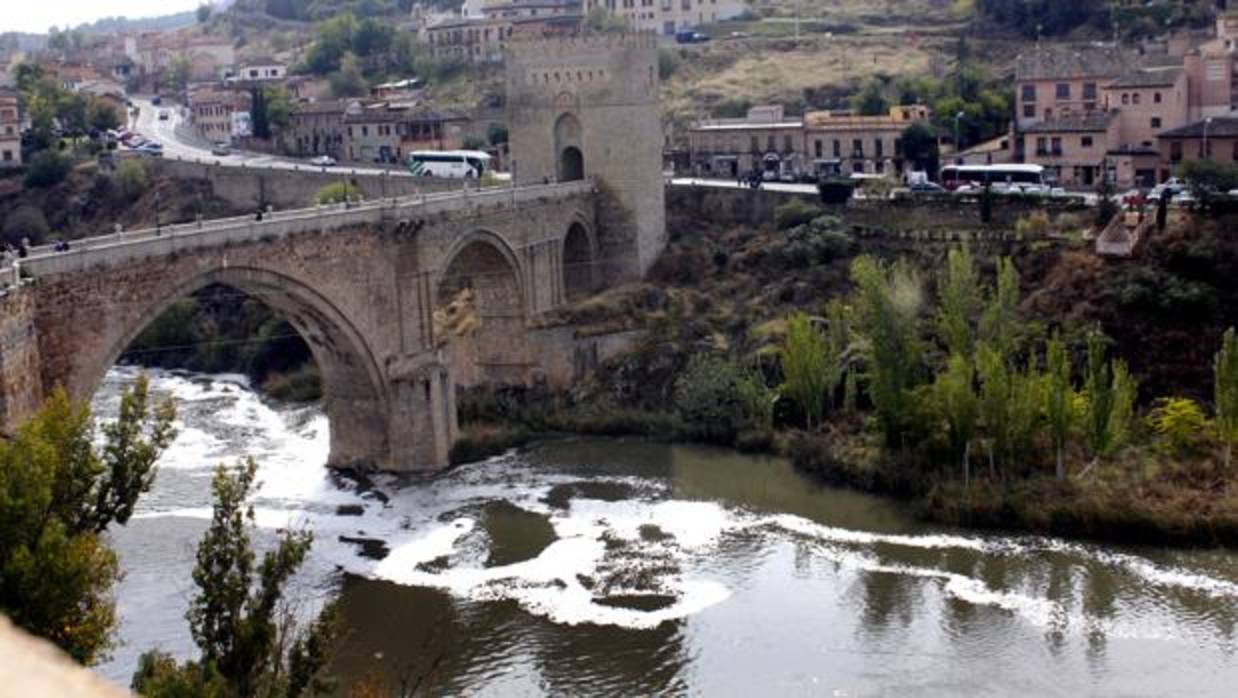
(38, 15)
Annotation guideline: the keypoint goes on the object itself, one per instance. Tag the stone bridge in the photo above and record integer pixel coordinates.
(359, 284)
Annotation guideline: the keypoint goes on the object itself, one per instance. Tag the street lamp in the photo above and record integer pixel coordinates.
(957, 145)
(1204, 154)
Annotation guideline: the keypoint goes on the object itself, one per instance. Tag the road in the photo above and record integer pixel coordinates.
(176, 145)
(731, 184)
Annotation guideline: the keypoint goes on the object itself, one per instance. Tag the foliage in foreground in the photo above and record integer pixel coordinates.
(58, 495)
(250, 643)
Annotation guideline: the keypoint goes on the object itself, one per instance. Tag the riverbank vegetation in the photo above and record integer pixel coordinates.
(250, 641)
(61, 488)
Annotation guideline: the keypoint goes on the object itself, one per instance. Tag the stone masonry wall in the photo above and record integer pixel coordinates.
(20, 389)
(245, 187)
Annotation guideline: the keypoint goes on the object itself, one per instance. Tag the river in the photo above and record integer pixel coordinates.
(622, 567)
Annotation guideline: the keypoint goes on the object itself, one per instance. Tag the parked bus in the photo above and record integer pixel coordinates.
(953, 176)
(448, 163)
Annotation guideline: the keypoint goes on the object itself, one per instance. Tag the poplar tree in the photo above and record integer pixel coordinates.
(1225, 392)
(959, 292)
(955, 398)
(806, 368)
(1059, 401)
(998, 324)
(1110, 405)
(888, 303)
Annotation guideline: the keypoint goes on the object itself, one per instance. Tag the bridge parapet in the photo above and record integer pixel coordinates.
(167, 240)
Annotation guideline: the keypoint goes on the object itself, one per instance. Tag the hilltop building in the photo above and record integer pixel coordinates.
(484, 36)
(10, 129)
(822, 143)
(669, 16)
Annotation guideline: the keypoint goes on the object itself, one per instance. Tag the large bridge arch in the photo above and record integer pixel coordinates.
(491, 344)
(355, 394)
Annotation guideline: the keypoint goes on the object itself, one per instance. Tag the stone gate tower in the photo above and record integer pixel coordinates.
(588, 106)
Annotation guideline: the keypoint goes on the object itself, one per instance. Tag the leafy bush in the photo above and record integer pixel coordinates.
(795, 212)
(472, 142)
(668, 62)
(133, 178)
(338, 192)
(715, 400)
(47, 168)
(1035, 223)
(1179, 423)
(817, 242)
(1209, 178)
(25, 222)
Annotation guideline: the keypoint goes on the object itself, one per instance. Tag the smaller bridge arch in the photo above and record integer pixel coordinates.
(481, 296)
(579, 257)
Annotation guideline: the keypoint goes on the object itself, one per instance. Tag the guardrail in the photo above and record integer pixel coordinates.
(166, 240)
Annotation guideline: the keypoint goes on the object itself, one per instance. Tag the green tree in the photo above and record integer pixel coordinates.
(178, 72)
(59, 492)
(958, 291)
(954, 399)
(888, 304)
(258, 115)
(1225, 392)
(348, 81)
(47, 168)
(248, 646)
(1109, 390)
(1179, 424)
(871, 99)
(999, 322)
(1059, 396)
(806, 372)
(1010, 405)
(715, 399)
(338, 193)
(278, 107)
(919, 147)
(203, 13)
(103, 116)
(133, 178)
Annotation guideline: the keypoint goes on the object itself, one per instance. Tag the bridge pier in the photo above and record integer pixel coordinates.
(422, 424)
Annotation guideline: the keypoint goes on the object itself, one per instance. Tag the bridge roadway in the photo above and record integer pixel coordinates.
(44, 260)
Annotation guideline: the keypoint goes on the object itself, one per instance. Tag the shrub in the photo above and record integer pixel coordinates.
(1035, 223)
(795, 212)
(47, 168)
(817, 242)
(133, 178)
(338, 192)
(472, 142)
(1179, 423)
(26, 222)
(715, 400)
(668, 62)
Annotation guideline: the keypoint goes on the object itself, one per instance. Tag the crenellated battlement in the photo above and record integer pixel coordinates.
(576, 47)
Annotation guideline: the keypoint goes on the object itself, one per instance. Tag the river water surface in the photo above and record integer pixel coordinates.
(621, 567)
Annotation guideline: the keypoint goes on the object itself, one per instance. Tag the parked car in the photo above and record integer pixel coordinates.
(163, 114)
(691, 37)
(150, 148)
(788, 177)
(928, 187)
(221, 148)
(1174, 185)
(323, 161)
(156, 100)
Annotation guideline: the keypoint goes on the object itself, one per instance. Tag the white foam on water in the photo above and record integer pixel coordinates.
(424, 523)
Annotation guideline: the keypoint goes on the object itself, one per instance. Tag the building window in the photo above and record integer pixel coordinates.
(1156, 97)
(879, 148)
(8, 156)
(1063, 90)
(1029, 93)
(1156, 122)
(838, 148)
(1086, 141)
(1029, 111)
(1126, 99)
(1089, 90)
(786, 143)
(857, 148)
(1135, 98)
(820, 149)
(753, 144)
(1175, 151)
(1057, 145)
(770, 145)
(1042, 146)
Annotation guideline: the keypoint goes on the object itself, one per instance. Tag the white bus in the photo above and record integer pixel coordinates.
(954, 176)
(448, 163)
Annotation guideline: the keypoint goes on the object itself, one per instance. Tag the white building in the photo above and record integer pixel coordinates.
(669, 16)
(265, 71)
